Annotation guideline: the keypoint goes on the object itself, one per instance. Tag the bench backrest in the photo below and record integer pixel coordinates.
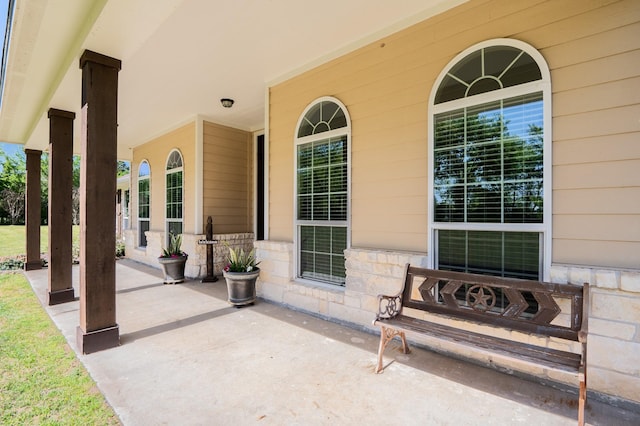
(529, 306)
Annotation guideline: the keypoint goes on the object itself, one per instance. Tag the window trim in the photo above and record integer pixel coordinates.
(167, 171)
(146, 219)
(298, 223)
(543, 85)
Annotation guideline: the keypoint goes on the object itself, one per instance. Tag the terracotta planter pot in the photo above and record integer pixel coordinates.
(241, 286)
(173, 268)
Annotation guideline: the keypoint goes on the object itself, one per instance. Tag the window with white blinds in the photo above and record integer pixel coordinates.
(174, 201)
(144, 201)
(488, 165)
(322, 193)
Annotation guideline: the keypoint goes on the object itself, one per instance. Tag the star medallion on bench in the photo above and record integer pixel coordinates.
(481, 298)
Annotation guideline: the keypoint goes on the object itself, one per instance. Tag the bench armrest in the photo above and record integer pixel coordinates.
(388, 306)
(584, 329)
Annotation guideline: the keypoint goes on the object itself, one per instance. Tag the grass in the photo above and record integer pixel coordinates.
(13, 239)
(13, 245)
(41, 379)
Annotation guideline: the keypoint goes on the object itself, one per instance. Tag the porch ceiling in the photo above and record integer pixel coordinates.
(179, 57)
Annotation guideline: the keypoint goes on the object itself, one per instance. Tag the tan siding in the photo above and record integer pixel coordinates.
(606, 148)
(609, 254)
(599, 97)
(615, 41)
(611, 201)
(227, 189)
(597, 123)
(614, 174)
(616, 227)
(603, 70)
(593, 51)
(579, 19)
(157, 152)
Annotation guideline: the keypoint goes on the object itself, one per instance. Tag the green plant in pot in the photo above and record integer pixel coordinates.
(241, 274)
(173, 260)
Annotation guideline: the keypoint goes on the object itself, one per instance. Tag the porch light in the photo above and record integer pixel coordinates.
(226, 102)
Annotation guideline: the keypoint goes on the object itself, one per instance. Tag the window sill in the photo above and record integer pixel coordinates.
(319, 285)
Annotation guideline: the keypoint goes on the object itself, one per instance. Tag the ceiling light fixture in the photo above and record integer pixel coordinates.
(226, 102)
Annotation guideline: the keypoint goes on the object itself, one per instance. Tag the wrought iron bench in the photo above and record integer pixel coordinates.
(480, 300)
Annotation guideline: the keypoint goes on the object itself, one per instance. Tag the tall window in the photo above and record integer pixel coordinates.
(322, 192)
(490, 162)
(144, 201)
(174, 194)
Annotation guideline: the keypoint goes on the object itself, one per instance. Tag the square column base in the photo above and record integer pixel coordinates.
(30, 266)
(97, 340)
(61, 296)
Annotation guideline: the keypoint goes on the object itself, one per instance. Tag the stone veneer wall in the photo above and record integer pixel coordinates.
(369, 273)
(196, 266)
(614, 322)
(613, 361)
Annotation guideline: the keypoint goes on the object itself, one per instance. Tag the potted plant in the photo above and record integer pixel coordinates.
(241, 274)
(173, 260)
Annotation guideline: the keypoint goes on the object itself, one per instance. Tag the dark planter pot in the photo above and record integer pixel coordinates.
(173, 268)
(241, 287)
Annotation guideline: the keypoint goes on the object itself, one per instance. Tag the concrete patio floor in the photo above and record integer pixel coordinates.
(188, 358)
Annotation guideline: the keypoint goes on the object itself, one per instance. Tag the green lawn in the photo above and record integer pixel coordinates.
(13, 239)
(42, 381)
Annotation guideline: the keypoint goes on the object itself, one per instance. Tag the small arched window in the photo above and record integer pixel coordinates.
(490, 167)
(174, 194)
(144, 201)
(322, 191)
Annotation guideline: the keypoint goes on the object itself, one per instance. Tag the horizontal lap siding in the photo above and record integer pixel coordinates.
(156, 152)
(593, 51)
(227, 178)
(596, 154)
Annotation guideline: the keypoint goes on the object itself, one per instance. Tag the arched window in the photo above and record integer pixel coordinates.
(174, 194)
(489, 168)
(322, 191)
(144, 201)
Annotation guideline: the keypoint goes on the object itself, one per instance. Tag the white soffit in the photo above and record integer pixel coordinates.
(179, 57)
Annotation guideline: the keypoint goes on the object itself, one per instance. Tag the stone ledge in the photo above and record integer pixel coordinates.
(606, 278)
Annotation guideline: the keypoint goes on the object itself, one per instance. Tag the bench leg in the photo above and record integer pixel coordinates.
(582, 399)
(386, 335)
(405, 346)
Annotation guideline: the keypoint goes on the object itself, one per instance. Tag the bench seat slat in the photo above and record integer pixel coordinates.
(552, 358)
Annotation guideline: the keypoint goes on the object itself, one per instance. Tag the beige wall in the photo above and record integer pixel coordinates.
(228, 178)
(156, 152)
(593, 51)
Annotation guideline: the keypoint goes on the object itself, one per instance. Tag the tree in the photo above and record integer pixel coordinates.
(12, 186)
(123, 168)
(13, 205)
(75, 191)
(44, 188)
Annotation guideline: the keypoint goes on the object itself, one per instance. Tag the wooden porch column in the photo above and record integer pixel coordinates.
(60, 200)
(98, 329)
(32, 210)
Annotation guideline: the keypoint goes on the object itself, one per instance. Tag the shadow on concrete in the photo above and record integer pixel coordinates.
(174, 325)
(505, 387)
(556, 398)
(142, 287)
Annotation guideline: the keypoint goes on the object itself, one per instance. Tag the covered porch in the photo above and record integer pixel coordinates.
(187, 357)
